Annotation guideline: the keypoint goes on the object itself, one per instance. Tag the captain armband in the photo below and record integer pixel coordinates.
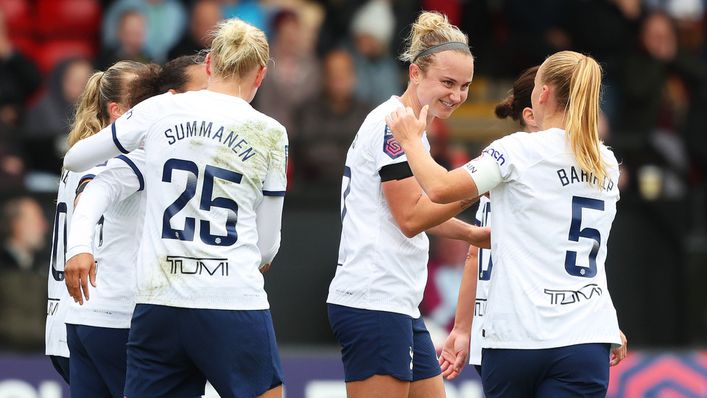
(485, 172)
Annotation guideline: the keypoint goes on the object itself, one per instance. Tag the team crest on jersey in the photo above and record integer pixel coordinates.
(391, 147)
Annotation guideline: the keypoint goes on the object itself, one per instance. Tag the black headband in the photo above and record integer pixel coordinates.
(450, 45)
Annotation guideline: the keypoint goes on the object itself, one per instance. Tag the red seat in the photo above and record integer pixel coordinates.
(26, 45)
(51, 52)
(18, 16)
(68, 18)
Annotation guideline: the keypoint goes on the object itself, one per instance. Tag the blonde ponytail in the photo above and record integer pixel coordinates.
(432, 29)
(102, 88)
(89, 117)
(577, 80)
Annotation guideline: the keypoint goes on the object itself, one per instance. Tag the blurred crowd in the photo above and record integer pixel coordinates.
(332, 62)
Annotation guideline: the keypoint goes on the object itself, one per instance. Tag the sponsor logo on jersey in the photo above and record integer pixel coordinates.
(564, 297)
(198, 266)
(496, 155)
(391, 147)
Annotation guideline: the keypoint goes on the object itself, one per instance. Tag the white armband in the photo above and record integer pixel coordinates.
(485, 172)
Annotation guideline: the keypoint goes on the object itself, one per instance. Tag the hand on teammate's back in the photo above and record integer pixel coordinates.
(79, 270)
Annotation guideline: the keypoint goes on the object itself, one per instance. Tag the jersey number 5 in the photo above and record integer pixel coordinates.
(206, 203)
(576, 231)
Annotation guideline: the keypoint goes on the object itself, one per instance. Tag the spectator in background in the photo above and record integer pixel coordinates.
(204, 17)
(326, 124)
(23, 284)
(377, 76)
(19, 78)
(166, 21)
(336, 25)
(250, 11)
(664, 101)
(22, 233)
(294, 74)
(536, 29)
(131, 41)
(609, 45)
(48, 121)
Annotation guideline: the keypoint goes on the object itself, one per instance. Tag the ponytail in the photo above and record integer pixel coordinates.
(577, 80)
(582, 117)
(102, 88)
(90, 115)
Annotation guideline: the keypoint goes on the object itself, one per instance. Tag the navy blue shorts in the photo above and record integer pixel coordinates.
(580, 370)
(173, 351)
(61, 365)
(97, 361)
(383, 343)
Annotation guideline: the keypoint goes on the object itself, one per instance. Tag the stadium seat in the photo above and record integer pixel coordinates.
(51, 52)
(68, 19)
(18, 17)
(26, 45)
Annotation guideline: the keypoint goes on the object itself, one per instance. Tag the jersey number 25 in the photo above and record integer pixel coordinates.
(206, 203)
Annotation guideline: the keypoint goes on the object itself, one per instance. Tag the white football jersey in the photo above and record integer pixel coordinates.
(210, 158)
(58, 296)
(550, 230)
(116, 243)
(482, 284)
(378, 267)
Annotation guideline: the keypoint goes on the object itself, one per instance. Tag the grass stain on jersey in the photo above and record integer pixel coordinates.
(264, 140)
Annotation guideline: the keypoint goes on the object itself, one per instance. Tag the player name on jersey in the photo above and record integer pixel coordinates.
(203, 128)
(573, 176)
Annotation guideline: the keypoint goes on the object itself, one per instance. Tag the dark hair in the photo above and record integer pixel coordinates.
(519, 97)
(174, 73)
(145, 85)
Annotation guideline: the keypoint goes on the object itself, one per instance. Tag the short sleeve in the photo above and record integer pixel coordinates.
(130, 129)
(275, 183)
(386, 150)
(508, 153)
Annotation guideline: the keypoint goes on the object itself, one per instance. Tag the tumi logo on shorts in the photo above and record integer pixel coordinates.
(496, 155)
(198, 266)
(391, 147)
(564, 297)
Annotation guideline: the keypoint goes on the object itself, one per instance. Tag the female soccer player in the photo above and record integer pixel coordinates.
(478, 266)
(479, 263)
(105, 98)
(382, 268)
(214, 169)
(554, 198)
(98, 329)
